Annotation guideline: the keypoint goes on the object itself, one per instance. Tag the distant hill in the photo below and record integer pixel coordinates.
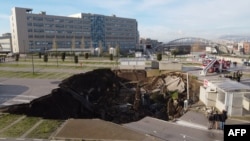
(236, 38)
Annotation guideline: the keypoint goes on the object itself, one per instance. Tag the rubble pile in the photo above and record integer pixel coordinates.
(117, 96)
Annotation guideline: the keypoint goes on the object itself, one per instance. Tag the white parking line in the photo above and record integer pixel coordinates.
(28, 96)
(21, 100)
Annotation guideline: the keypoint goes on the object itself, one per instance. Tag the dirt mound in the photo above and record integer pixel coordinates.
(117, 96)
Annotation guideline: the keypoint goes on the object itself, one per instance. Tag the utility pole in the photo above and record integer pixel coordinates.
(187, 88)
(32, 59)
(55, 47)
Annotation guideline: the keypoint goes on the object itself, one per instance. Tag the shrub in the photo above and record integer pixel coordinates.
(86, 55)
(45, 58)
(76, 59)
(111, 57)
(159, 57)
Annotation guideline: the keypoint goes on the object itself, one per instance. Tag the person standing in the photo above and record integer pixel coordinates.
(223, 118)
(216, 119)
(211, 121)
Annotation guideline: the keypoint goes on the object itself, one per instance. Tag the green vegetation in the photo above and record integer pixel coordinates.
(174, 95)
(159, 57)
(42, 130)
(45, 129)
(20, 128)
(6, 119)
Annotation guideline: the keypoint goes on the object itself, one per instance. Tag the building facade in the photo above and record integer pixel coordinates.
(246, 46)
(5, 43)
(36, 32)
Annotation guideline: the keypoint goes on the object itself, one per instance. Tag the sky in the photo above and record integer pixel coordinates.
(162, 20)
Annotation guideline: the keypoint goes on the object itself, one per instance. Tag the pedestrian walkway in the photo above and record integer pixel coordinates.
(195, 117)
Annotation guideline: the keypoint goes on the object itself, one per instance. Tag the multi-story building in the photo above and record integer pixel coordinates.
(5, 43)
(148, 41)
(36, 32)
(246, 46)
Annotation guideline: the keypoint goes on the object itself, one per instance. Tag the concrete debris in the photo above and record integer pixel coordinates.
(119, 96)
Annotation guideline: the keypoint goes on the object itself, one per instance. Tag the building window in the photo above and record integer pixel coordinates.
(29, 24)
(38, 30)
(68, 26)
(49, 19)
(68, 21)
(29, 18)
(48, 25)
(59, 20)
(37, 18)
(30, 30)
(50, 31)
(38, 24)
(59, 26)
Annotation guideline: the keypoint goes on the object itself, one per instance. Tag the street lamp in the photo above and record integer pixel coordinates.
(32, 59)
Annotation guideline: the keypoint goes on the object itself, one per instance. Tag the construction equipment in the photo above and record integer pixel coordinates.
(214, 65)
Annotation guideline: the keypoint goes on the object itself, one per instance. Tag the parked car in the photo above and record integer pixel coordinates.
(247, 63)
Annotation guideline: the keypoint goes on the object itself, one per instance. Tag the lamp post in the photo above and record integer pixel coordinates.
(24, 50)
(32, 60)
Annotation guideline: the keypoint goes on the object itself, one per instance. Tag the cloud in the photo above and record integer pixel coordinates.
(157, 19)
(151, 5)
(4, 17)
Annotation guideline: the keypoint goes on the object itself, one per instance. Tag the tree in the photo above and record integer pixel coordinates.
(63, 56)
(111, 57)
(174, 52)
(86, 56)
(76, 59)
(159, 57)
(40, 55)
(17, 57)
(45, 57)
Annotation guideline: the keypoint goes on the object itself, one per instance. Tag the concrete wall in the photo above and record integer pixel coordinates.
(155, 65)
(170, 66)
(135, 67)
(237, 107)
(132, 64)
(246, 103)
(202, 95)
(208, 98)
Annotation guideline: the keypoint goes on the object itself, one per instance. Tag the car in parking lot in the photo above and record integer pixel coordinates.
(247, 63)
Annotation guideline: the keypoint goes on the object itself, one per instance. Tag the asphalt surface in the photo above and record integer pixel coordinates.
(16, 91)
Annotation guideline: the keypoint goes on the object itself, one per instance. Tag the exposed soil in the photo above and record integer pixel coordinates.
(120, 96)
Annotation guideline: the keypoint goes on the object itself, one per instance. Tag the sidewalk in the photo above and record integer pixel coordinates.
(196, 118)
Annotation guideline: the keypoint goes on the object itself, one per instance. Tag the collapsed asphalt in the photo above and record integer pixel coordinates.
(119, 96)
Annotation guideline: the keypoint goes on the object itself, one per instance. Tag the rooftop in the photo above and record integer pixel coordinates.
(230, 85)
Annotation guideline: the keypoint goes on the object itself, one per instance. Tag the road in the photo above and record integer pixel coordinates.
(16, 91)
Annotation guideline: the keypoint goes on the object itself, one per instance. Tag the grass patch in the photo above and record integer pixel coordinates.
(6, 119)
(20, 128)
(45, 129)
